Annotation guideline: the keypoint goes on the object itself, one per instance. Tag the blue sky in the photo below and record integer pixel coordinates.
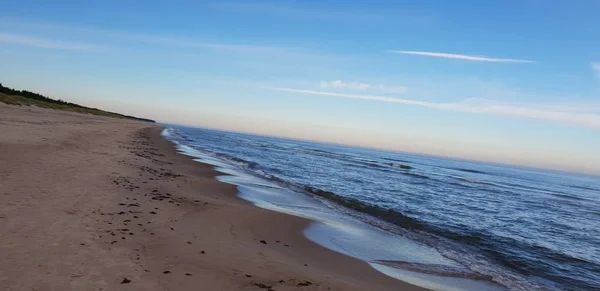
(505, 81)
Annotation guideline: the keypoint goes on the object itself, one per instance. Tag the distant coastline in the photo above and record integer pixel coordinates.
(26, 98)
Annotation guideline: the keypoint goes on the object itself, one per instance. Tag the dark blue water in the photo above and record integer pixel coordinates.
(526, 229)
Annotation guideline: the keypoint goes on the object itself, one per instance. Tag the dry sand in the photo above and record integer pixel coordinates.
(95, 203)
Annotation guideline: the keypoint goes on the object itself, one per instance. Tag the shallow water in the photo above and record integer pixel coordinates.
(442, 220)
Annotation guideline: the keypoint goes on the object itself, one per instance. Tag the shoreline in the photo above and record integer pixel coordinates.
(341, 229)
(296, 229)
(94, 203)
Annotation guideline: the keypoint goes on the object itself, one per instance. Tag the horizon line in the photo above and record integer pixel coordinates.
(391, 150)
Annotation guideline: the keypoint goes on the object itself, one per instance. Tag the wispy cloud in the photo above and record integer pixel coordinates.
(191, 43)
(31, 41)
(461, 57)
(357, 86)
(118, 39)
(566, 114)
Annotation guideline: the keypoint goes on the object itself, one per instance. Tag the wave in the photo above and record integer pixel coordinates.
(391, 167)
(415, 175)
(515, 255)
(327, 154)
(238, 161)
(570, 197)
(342, 157)
(583, 187)
(469, 170)
(518, 256)
(374, 165)
(388, 215)
(363, 162)
(401, 166)
(175, 134)
(475, 181)
(433, 269)
(396, 160)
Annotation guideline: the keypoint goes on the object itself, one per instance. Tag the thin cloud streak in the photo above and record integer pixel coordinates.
(190, 43)
(587, 119)
(19, 39)
(121, 38)
(358, 86)
(461, 57)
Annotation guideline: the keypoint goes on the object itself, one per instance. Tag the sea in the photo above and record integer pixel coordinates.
(439, 223)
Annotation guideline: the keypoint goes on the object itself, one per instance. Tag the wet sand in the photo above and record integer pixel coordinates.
(96, 203)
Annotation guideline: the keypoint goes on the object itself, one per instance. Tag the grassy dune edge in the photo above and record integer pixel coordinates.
(26, 98)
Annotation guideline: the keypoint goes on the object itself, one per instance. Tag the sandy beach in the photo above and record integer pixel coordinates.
(99, 203)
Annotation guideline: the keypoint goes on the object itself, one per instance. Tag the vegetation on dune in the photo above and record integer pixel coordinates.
(27, 98)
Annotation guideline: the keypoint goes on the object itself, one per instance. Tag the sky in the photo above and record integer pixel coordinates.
(509, 81)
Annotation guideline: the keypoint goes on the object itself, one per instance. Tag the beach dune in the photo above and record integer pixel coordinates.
(98, 203)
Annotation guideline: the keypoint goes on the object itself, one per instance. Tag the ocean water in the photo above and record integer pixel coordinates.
(440, 223)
